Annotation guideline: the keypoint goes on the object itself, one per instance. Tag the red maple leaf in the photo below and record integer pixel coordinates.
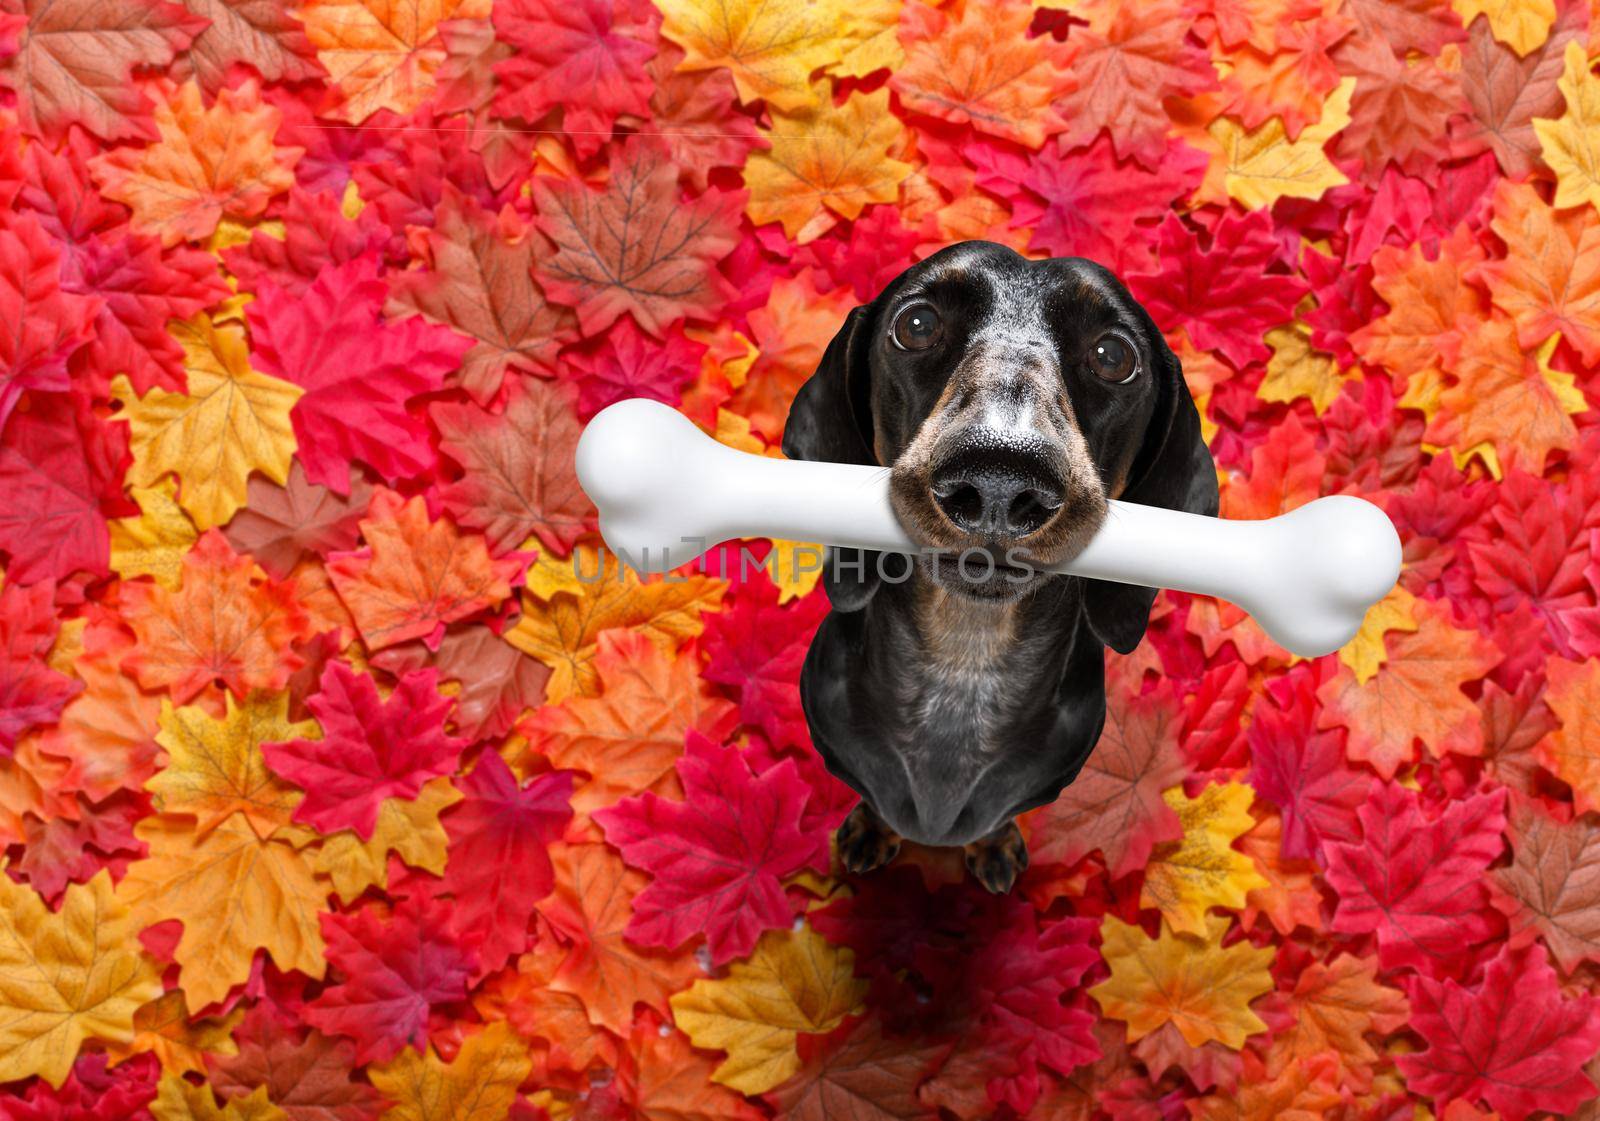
(596, 46)
(1400, 110)
(717, 856)
(1223, 296)
(635, 246)
(391, 973)
(878, 249)
(1300, 768)
(629, 363)
(371, 748)
(757, 648)
(501, 825)
(94, 1091)
(357, 370)
(31, 693)
(1417, 882)
(40, 325)
(56, 468)
(1512, 1041)
(306, 1073)
(65, 850)
(316, 234)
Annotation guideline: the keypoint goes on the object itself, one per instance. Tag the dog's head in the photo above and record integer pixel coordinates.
(1012, 398)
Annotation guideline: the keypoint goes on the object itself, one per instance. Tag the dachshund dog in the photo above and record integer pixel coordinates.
(1011, 398)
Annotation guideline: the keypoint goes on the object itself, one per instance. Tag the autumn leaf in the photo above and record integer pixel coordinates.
(1263, 165)
(1401, 107)
(226, 623)
(1415, 880)
(1333, 1006)
(306, 1074)
(791, 333)
(379, 54)
(1115, 804)
(234, 893)
(162, 1028)
(1296, 369)
(1568, 141)
(261, 34)
(209, 164)
(1549, 281)
(479, 1084)
(282, 523)
(74, 62)
(857, 1072)
(415, 575)
(1285, 472)
(66, 976)
(562, 632)
(1507, 90)
(154, 543)
(980, 68)
(1416, 695)
(31, 693)
(635, 246)
(1187, 877)
(770, 52)
(1569, 751)
(215, 769)
(518, 477)
(496, 681)
(1551, 889)
(369, 749)
(1195, 984)
(480, 282)
(1523, 25)
(794, 982)
(232, 421)
(43, 324)
(1513, 1041)
(1432, 308)
(627, 738)
(179, 1100)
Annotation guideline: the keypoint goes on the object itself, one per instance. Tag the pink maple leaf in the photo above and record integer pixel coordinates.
(371, 748)
(40, 325)
(1512, 1041)
(718, 855)
(391, 974)
(1415, 881)
(358, 372)
(758, 647)
(31, 693)
(1222, 295)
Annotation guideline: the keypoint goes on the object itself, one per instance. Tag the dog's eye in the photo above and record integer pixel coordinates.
(1113, 358)
(917, 327)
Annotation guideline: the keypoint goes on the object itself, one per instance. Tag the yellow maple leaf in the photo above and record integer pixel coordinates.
(825, 160)
(480, 1085)
(75, 974)
(208, 163)
(180, 1100)
(795, 981)
(1202, 869)
(1296, 370)
(232, 421)
(871, 40)
(154, 543)
(215, 767)
(563, 631)
(234, 893)
(1365, 653)
(770, 50)
(1571, 142)
(407, 826)
(1201, 988)
(1522, 25)
(382, 54)
(163, 1028)
(1263, 166)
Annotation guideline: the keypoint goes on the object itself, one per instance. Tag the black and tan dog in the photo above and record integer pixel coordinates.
(1012, 398)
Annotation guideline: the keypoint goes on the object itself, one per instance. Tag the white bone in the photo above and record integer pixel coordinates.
(666, 492)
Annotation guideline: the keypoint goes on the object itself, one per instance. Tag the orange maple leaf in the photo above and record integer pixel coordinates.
(1571, 752)
(227, 622)
(1285, 472)
(1331, 1008)
(591, 906)
(209, 164)
(791, 332)
(1416, 695)
(1290, 898)
(415, 575)
(975, 64)
(382, 54)
(627, 738)
(1550, 278)
(1432, 308)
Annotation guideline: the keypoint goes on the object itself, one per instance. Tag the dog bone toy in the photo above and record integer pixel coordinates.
(666, 493)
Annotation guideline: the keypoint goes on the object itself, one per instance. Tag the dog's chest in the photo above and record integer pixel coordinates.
(962, 684)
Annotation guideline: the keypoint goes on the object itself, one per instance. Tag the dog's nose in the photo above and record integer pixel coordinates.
(989, 496)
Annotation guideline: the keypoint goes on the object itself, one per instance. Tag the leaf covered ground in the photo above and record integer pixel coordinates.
(328, 792)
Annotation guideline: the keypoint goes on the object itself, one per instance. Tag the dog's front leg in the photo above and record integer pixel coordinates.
(865, 840)
(999, 858)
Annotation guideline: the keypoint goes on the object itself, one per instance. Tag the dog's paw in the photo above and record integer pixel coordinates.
(998, 859)
(865, 842)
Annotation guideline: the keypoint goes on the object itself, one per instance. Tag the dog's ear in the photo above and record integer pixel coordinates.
(831, 422)
(1173, 469)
